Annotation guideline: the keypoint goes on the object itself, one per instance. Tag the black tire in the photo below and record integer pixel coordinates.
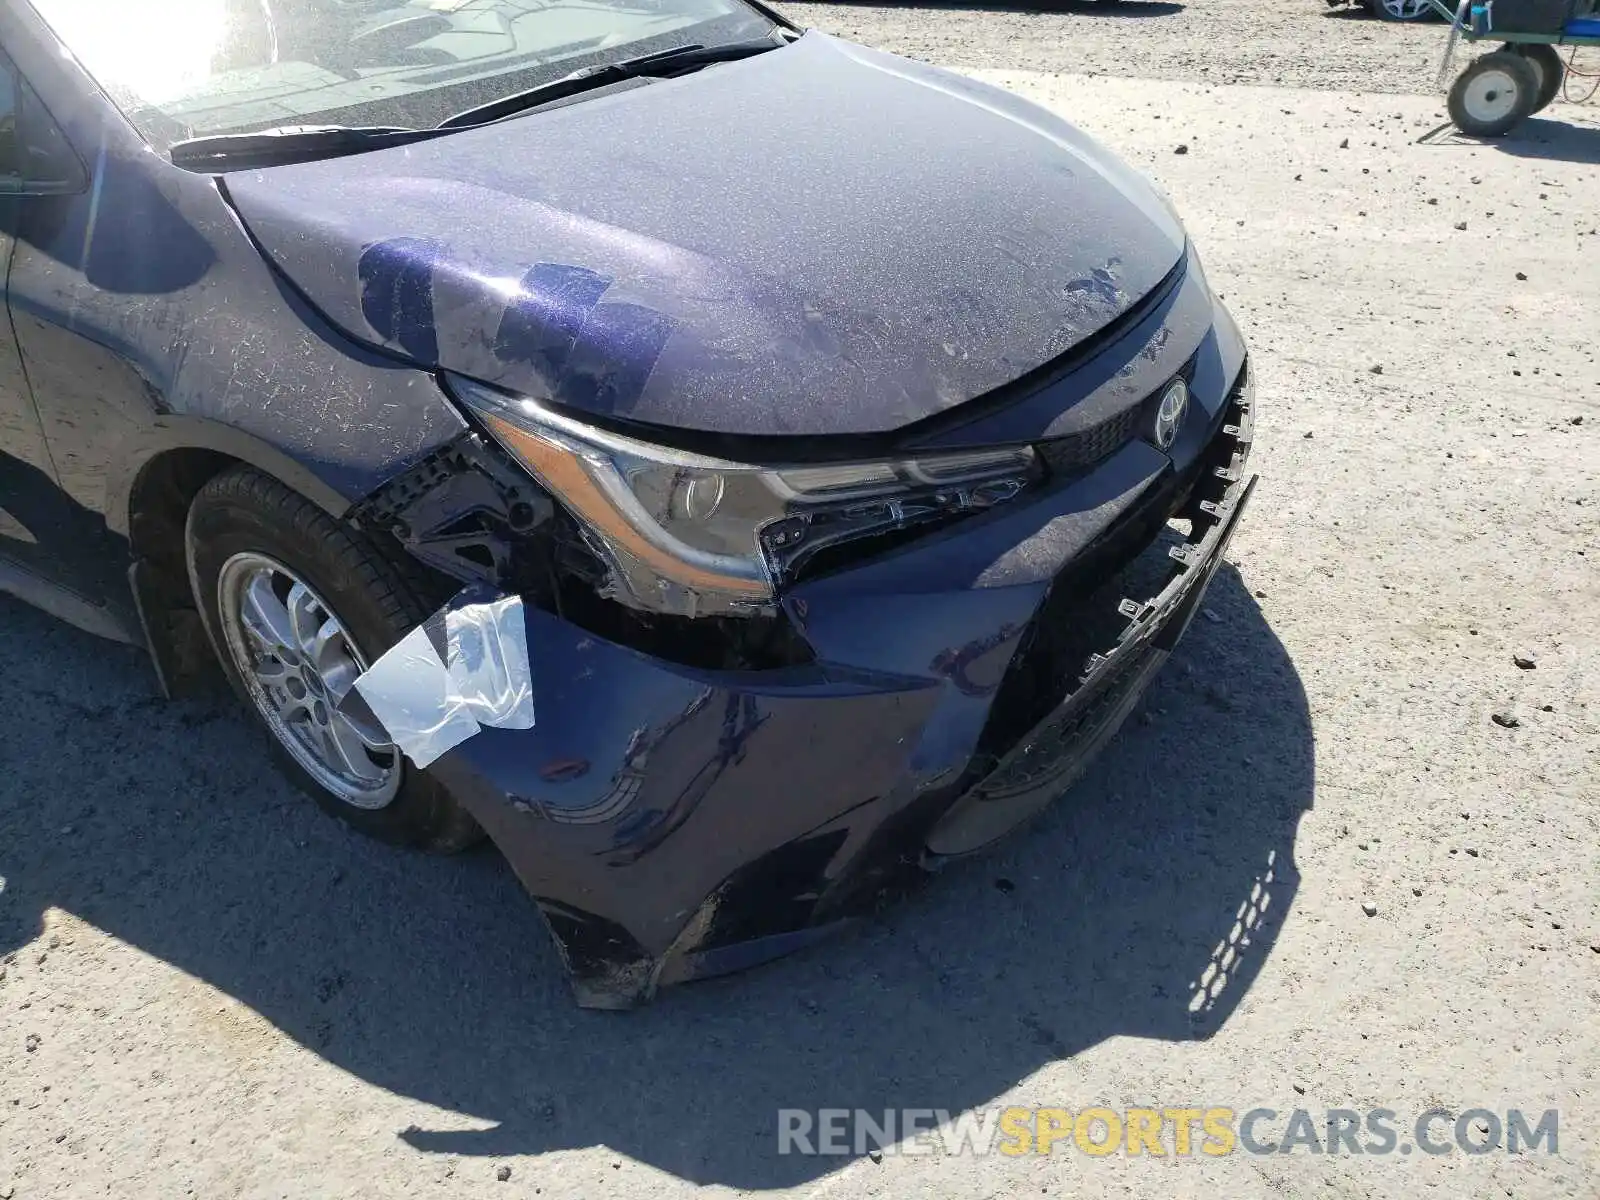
(1493, 94)
(376, 598)
(1548, 70)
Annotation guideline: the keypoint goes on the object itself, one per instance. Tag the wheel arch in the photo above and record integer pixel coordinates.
(148, 503)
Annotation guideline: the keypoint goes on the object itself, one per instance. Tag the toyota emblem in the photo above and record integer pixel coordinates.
(1170, 415)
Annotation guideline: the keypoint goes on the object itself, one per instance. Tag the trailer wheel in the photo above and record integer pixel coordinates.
(1493, 94)
(1548, 69)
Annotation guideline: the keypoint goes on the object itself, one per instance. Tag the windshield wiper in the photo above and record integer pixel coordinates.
(664, 62)
(290, 143)
(296, 143)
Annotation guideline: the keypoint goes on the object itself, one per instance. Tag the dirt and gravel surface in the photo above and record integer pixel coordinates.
(1290, 43)
(1347, 856)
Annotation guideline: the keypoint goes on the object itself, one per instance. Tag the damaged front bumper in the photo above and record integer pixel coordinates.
(674, 822)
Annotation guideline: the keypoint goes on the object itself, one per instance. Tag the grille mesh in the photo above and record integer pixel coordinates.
(1080, 450)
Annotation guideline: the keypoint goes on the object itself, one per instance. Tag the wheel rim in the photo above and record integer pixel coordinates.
(1405, 10)
(1490, 96)
(298, 662)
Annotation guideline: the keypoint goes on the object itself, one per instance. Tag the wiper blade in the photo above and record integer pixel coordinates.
(664, 62)
(291, 143)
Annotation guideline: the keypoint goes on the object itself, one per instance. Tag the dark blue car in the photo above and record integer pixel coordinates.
(731, 468)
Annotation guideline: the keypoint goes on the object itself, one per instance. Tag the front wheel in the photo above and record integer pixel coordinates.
(298, 607)
(1493, 94)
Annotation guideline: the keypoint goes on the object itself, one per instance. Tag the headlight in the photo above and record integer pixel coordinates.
(690, 534)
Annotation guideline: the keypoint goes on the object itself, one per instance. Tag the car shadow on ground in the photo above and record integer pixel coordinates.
(1143, 904)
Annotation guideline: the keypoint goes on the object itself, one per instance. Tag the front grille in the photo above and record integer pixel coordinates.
(1056, 749)
(1083, 615)
(1084, 449)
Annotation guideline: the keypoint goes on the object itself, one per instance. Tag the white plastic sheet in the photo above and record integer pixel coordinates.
(463, 669)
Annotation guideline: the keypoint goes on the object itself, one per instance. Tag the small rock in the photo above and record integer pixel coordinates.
(1004, 886)
(7, 1192)
(1471, 853)
(502, 1173)
(1376, 368)
(1308, 435)
(875, 1155)
(1506, 720)
(1461, 224)
(1435, 202)
(1524, 659)
(1368, 907)
(1522, 276)
(31, 1042)
(1361, 845)
(1416, 891)
(1547, 708)
(1345, 145)
(1299, 1089)
(1259, 594)
(1577, 420)
(1181, 149)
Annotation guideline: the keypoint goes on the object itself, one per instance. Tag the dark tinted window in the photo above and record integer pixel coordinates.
(10, 158)
(34, 156)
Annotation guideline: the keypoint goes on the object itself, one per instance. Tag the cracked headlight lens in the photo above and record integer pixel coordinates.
(689, 534)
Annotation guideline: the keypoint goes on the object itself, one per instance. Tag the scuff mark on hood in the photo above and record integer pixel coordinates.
(818, 240)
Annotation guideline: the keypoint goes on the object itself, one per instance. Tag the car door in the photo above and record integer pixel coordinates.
(27, 478)
(43, 531)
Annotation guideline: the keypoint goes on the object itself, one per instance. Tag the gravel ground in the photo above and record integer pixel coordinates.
(1291, 43)
(1287, 43)
(209, 989)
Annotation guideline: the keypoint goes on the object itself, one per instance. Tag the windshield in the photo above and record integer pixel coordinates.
(187, 68)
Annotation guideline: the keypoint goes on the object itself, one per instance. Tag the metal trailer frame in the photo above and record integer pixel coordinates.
(1492, 94)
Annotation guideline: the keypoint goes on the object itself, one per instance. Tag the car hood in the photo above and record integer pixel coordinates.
(818, 240)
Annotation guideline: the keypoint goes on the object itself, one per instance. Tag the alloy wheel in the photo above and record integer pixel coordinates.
(298, 661)
(1405, 10)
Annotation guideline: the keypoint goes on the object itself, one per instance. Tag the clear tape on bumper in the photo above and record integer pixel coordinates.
(464, 668)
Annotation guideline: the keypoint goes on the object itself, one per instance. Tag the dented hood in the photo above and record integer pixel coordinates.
(821, 239)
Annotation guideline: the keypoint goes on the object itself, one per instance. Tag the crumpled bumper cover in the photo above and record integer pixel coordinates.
(673, 822)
